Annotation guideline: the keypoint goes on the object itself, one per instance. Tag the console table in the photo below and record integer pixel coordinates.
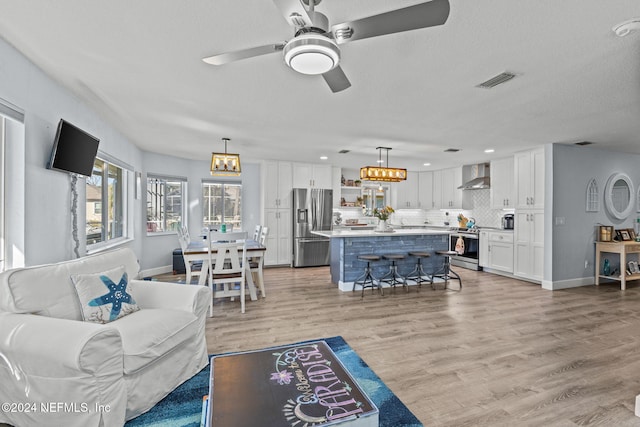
(622, 249)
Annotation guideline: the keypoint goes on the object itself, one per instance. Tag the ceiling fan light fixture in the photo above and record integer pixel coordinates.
(311, 54)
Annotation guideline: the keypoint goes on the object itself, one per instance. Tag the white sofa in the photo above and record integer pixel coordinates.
(90, 374)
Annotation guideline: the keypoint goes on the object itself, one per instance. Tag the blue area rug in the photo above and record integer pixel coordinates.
(183, 407)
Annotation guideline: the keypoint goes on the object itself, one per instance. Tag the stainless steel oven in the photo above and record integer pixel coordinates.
(467, 244)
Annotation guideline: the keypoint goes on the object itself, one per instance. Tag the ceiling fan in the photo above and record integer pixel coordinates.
(314, 49)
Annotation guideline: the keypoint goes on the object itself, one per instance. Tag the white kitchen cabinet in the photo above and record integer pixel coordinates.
(483, 256)
(309, 175)
(437, 190)
(336, 184)
(279, 241)
(277, 184)
(529, 244)
(502, 177)
(500, 251)
(406, 192)
(529, 179)
(425, 190)
(451, 195)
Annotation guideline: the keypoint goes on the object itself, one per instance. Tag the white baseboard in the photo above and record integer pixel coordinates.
(566, 284)
(155, 271)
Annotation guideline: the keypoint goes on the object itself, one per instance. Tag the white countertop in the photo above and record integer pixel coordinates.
(373, 233)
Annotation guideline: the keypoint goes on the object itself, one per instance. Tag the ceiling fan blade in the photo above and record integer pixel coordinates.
(421, 15)
(225, 58)
(336, 79)
(294, 12)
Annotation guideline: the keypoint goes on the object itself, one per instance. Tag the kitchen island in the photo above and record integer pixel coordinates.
(347, 245)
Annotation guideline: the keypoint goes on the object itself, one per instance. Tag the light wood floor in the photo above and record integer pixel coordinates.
(501, 352)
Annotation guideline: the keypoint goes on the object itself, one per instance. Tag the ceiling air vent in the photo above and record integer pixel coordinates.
(495, 81)
(451, 150)
(584, 143)
(343, 151)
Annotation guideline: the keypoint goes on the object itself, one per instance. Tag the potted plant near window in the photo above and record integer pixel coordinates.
(357, 182)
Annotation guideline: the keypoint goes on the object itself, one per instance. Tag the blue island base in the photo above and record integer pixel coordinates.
(346, 267)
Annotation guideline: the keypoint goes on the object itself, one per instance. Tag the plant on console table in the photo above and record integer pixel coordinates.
(383, 215)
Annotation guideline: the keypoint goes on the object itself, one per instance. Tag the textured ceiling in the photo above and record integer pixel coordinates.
(138, 64)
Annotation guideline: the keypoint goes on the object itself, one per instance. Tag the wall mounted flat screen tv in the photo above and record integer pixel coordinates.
(74, 150)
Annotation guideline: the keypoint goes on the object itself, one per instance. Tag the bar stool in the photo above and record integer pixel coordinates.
(392, 277)
(418, 273)
(367, 280)
(446, 272)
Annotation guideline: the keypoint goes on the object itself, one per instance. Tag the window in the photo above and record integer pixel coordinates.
(2, 238)
(12, 186)
(166, 206)
(222, 203)
(106, 203)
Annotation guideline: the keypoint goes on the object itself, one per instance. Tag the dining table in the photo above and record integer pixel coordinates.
(197, 251)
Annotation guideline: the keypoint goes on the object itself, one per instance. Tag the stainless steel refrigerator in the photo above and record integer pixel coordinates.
(312, 210)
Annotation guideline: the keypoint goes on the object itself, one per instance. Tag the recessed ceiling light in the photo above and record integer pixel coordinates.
(323, 157)
(451, 150)
(583, 143)
(426, 164)
(489, 150)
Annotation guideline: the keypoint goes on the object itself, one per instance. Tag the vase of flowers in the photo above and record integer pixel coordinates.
(383, 215)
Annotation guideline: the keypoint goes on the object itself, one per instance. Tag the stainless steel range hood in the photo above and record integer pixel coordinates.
(480, 180)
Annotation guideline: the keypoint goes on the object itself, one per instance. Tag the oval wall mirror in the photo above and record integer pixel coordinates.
(619, 195)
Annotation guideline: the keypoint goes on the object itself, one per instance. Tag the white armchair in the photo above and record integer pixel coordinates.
(102, 374)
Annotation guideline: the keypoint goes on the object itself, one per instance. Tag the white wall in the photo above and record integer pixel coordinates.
(47, 199)
(573, 242)
(43, 213)
(158, 248)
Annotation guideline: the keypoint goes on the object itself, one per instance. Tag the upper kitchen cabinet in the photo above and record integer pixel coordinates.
(336, 183)
(502, 176)
(277, 184)
(451, 196)
(425, 190)
(437, 190)
(309, 175)
(529, 173)
(406, 192)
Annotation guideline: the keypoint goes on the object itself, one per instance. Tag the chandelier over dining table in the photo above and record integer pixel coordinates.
(382, 173)
(225, 164)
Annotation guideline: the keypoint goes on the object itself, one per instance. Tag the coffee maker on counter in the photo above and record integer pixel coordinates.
(507, 221)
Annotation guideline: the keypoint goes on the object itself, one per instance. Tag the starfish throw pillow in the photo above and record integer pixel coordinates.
(106, 296)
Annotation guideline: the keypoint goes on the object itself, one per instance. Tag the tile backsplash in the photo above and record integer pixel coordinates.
(482, 212)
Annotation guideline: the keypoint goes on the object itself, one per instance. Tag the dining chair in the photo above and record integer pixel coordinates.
(217, 236)
(192, 268)
(263, 235)
(256, 263)
(185, 232)
(228, 269)
(256, 232)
